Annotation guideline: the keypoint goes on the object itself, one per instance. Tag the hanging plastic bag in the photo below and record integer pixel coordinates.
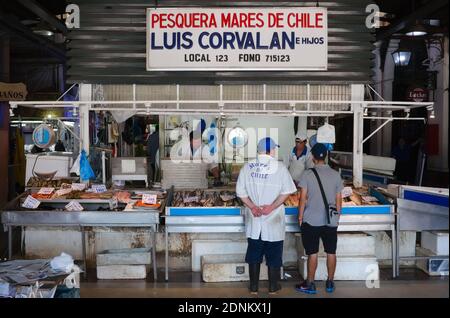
(86, 172)
(326, 134)
(76, 166)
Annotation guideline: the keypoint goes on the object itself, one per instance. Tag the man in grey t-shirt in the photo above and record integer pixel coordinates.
(313, 217)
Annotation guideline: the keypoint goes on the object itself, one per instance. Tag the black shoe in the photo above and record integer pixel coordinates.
(274, 276)
(330, 286)
(307, 288)
(254, 277)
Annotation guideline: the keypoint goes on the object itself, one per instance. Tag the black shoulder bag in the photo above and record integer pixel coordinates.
(330, 210)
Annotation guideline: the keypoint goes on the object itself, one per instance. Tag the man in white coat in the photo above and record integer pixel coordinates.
(263, 185)
(300, 158)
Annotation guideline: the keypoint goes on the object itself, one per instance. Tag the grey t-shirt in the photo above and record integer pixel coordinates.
(332, 184)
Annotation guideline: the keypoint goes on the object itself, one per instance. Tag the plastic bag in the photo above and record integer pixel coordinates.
(86, 172)
(326, 134)
(76, 166)
(64, 262)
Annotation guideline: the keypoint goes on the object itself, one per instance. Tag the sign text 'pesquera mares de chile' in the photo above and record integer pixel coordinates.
(215, 39)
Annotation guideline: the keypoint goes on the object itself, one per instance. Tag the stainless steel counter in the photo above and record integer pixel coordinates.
(216, 220)
(13, 216)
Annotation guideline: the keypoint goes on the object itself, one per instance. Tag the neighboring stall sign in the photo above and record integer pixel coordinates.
(417, 94)
(13, 91)
(182, 39)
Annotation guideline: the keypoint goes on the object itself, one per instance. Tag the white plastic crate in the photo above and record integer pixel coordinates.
(228, 268)
(359, 268)
(435, 241)
(354, 244)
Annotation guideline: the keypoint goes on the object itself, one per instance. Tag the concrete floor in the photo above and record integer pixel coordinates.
(411, 284)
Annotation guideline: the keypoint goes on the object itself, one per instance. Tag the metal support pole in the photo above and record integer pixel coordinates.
(358, 129)
(376, 130)
(83, 246)
(155, 269)
(10, 242)
(394, 250)
(103, 167)
(167, 253)
(85, 95)
(22, 240)
(397, 263)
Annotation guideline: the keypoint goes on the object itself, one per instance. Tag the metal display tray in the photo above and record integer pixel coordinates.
(84, 218)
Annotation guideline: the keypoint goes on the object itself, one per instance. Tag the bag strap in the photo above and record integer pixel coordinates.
(325, 201)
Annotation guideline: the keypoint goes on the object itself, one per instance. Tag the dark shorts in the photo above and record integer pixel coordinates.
(273, 251)
(312, 234)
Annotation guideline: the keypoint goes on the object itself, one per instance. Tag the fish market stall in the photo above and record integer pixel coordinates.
(209, 211)
(81, 209)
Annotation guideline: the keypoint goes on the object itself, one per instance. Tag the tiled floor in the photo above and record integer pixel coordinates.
(412, 283)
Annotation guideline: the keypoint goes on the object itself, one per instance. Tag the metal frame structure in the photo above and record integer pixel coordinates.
(357, 106)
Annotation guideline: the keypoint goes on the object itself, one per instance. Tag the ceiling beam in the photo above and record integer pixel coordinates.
(13, 25)
(418, 14)
(44, 14)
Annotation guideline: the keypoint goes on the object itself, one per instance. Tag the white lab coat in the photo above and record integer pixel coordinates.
(297, 166)
(263, 180)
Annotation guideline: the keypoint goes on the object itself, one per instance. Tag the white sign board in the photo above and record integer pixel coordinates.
(78, 186)
(98, 188)
(214, 39)
(149, 198)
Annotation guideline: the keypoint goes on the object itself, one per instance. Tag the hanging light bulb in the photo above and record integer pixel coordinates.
(366, 111)
(416, 30)
(11, 113)
(432, 114)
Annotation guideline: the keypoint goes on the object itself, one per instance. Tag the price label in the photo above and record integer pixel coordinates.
(31, 203)
(346, 192)
(62, 192)
(129, 206)
(369, 199)
(78, 186)
(114, 203)
(74, 206)
(46, 190)
(190, 199)
(99, 188)
(149, 198)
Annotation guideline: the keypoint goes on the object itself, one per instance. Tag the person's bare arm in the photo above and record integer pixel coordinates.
(339, 202)
(267, 209)
(256, 211)
(302, 205)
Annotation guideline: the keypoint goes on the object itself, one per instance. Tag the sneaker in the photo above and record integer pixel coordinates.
(306, 288)
(330, 286)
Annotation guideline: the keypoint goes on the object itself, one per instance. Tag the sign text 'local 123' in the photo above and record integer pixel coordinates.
(293, 38)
